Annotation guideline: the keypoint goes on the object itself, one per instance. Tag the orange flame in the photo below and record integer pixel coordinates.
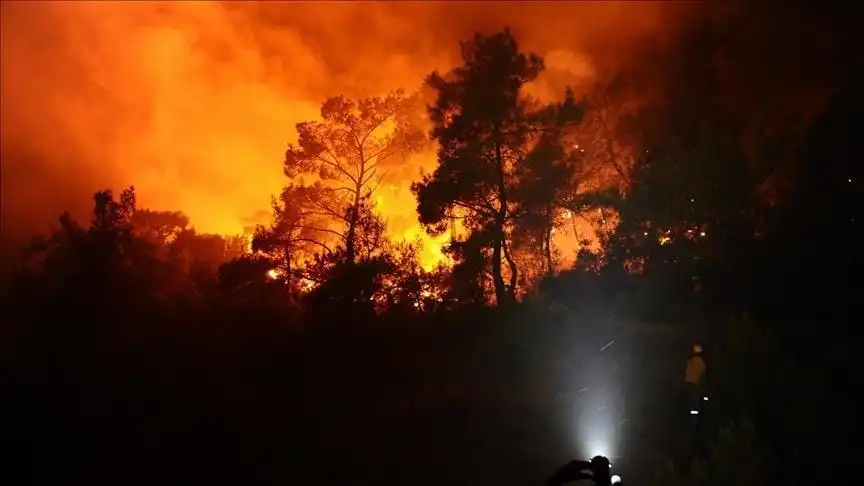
(194, 102)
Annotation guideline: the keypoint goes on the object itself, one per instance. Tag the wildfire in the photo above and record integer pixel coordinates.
(194, 102)
(665, 238)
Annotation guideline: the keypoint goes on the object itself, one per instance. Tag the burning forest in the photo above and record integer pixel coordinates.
(310, 225)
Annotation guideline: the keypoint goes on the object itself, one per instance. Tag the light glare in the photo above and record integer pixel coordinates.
(599, 449)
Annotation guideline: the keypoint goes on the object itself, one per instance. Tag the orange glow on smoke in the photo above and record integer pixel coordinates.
(195, 102)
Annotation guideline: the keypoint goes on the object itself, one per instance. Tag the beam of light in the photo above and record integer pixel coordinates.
(705, 398)
(599, 415)
(599, 447)
(595, 427)
(615, 479)
(694, 412)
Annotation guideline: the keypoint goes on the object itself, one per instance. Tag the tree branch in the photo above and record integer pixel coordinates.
(381, 155)
(329, 212)
(326, 230)
(341, 188)
(373, 128)
(378, 183)
(315, 242)
(337, 166)
(371, 173)
(514, 271)
(476, 209)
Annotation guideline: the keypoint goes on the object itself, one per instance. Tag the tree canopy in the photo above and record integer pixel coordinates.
(350, 151)
(500, 157)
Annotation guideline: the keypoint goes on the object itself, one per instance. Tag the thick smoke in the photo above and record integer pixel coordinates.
(195, 102)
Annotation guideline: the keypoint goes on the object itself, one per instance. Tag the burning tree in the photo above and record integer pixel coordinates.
(295, 235)
(350, 150)
(497, 150)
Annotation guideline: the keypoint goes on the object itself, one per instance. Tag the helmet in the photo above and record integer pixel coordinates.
(697, 349)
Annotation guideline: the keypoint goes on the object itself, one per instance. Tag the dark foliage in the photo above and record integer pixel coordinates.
(139, 350)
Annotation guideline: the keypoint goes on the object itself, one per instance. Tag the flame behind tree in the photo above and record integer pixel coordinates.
(486, 129)
(161, 227)
(351, 151)
(539, 201)
(295, 235)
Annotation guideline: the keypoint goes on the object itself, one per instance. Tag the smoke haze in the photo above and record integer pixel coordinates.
(194, 102)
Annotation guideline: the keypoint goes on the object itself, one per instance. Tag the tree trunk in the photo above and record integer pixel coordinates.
(514, 270)
(547, 250)
(350, 249)
(501, 295)
(289, 269)
(547, 242)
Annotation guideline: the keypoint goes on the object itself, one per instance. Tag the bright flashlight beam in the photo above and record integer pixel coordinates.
(705, 398)
(615, 479)
(694, 412)
(599, 449)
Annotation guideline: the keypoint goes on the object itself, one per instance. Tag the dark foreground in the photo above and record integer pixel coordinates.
(320, 416)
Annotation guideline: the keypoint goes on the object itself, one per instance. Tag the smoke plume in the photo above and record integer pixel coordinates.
(194, 102)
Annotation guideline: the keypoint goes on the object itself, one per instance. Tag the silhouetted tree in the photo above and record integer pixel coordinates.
(384, 276)
(545, 192)
(608, 157)
(247, 274)
(197, 256)
(350, 150)
(408, 288)
(161, 227)
(694, 190)
(468, 274)
(90, 275)
(296, 233)
(484, 127)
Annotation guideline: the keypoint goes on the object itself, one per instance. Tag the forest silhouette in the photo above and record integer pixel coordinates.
(318, 350)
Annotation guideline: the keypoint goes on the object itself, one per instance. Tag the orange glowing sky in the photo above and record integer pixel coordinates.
(194, 102)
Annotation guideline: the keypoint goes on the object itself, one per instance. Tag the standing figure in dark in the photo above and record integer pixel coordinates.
(694, 377)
